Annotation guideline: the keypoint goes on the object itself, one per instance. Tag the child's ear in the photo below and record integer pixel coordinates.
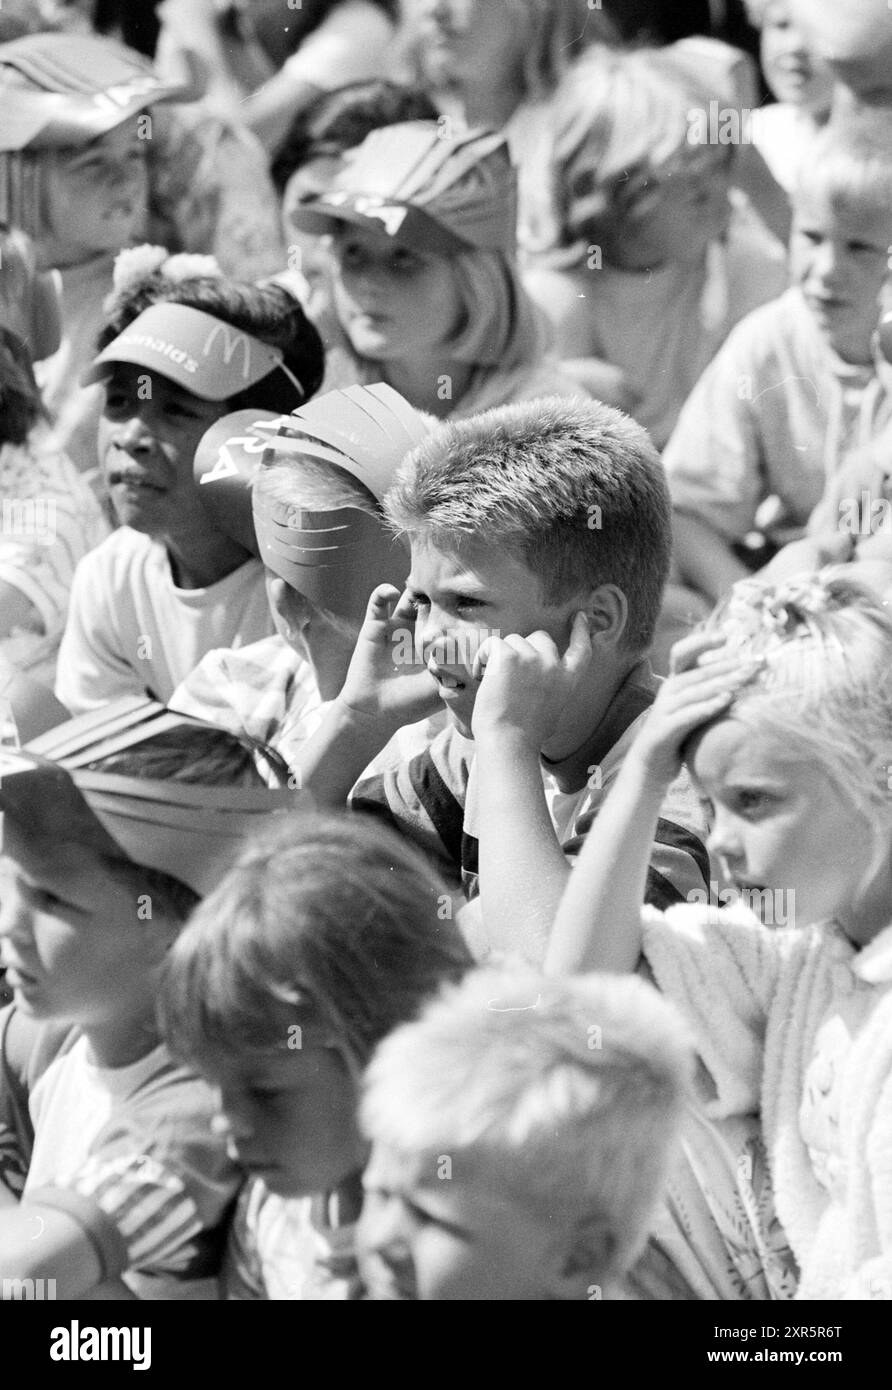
(607, 610)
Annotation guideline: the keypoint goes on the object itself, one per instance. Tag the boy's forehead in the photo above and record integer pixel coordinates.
(863, 216)
(470, 561)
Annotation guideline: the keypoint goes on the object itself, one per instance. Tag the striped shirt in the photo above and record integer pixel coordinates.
(128, 1153)
(433, 799)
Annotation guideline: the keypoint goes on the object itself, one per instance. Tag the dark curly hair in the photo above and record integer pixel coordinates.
(268, 312)
(340, 120)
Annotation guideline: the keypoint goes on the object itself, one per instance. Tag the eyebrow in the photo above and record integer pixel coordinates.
(455, 588)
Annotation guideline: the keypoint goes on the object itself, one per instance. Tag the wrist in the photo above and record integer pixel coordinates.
(363, 716)
(506, 738)
(649, 775)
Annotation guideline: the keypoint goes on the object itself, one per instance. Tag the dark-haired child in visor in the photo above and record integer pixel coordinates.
(172, 582)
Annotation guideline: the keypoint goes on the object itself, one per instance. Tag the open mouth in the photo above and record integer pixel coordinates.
(133, 482)
(448, 685)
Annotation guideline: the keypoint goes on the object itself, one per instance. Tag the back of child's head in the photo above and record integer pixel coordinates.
(622, 122)
(572, 489)
(569, 1092)
(823, 689)
(147, 275)
(341, 119)
(195, 755)
(850, 164)
(309, 485)
(333, 923)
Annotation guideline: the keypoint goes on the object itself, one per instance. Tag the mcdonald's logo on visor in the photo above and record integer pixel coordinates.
(199, 352)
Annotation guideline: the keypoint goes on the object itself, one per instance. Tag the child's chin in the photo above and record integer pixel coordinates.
(459, 721)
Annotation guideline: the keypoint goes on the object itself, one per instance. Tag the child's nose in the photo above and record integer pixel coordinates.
(133, 435)
(15, 919)
(826, 263)
(383, 1228)
(724, 839)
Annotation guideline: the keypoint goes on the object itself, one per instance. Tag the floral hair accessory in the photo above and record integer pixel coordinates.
(766, 616)
(137, 264)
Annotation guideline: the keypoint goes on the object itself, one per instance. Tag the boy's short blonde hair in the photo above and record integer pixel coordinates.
(850, 160)
(571, 1090)
(572, 489)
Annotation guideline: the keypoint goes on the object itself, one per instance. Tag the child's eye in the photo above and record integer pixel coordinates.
(404, 262)
(753, 800)
(179, 411)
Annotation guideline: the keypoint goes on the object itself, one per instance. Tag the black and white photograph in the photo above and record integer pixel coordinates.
(445, 670)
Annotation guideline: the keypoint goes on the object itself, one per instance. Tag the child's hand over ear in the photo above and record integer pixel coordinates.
(525, 683)
(701, 686)
(384, 680)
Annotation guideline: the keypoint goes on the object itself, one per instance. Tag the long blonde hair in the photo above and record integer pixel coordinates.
(500, 332)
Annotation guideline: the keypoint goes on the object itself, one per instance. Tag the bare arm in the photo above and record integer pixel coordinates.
(523, 871)
(703, 558)
(598, 923)
(43, 1243)
(17, 610)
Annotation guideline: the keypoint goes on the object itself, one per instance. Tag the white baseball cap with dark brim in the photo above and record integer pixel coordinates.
(423, 188)
(204, 355)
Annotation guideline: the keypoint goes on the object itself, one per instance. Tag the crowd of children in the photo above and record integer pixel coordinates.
(445, 726)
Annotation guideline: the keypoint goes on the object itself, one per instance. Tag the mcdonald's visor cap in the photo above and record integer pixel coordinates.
(205, 355)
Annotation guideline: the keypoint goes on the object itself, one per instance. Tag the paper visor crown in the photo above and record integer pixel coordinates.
(190, 831)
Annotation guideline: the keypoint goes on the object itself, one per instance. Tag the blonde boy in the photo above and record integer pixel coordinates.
(794, 389)
(522, 1133)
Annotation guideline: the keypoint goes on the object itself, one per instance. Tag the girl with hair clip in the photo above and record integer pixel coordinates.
(782, 709)
(50, 516)
(182, 347)
(324, 936)
(423, 282)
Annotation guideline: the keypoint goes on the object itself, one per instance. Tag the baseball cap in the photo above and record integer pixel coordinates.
(202, 353)
(60, 90)
(188, 830)
(423, 188)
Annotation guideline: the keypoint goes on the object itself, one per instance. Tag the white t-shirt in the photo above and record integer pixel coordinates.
(130, 629)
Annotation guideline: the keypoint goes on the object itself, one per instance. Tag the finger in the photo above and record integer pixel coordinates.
(579, 650)
(381, 603)
(539, 641)
(484, 656)
(687, 652)
(405, 608)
